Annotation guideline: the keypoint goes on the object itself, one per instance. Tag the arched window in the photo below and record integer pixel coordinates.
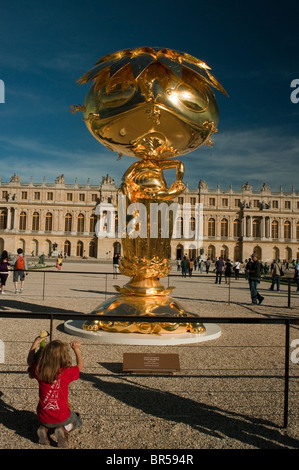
(297, 231)
(92, 249)
(35, 221)
(49, 221)
(192, 224)
(224, 228)
(287, 230)
(237, 228)
(256, 233)
(211, 228)
(274, 229)
(3, 219)
(67, 248)
(68, 223)
(211, 252)
(23, 218)
(92, 223)
(80, 250)
(80, 223)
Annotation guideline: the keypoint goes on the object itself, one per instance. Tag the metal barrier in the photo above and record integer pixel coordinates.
(227, 320)
(289, 281)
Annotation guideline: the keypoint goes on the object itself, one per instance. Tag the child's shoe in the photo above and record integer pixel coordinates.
(62, 437)
(42, 434)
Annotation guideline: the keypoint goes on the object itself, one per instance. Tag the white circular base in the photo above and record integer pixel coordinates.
(74, 327)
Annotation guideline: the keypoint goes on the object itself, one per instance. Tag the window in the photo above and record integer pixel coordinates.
(212, 201)
(237, 228)
(287, 229)
(256, 228)
(69, 196)
(3, 219)
(94, 197)
(180, 200)
(92, 223)
(24, 195)
(23, 217)
(4, 194)
(80, 224)
(80, 249)
(48, 224)
(67, 248)
(224, 228)
(50, 196)
(37, 195)
(256, 203)
(297, 232)
(68, 223)
(193, 201)
(224, 202)
(81, 197)
(287, 204)
(275, 204)
(237, 202)
(211, 227)
(35, 221)
(274, 229)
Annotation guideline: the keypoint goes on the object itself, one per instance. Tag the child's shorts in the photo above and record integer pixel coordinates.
(74, 419)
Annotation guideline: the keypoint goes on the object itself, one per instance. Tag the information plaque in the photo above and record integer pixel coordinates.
(148, 362)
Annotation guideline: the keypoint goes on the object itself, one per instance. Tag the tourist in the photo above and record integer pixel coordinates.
(296, 276)
(208, 265)
(254, 276)
(237, 269)
(219, 268)
(59, 262)
(276, 270)
(20, 267)
(4, 264)
(54, 372)
(228, 271)
(190, 267)
(178, 264)
(185, 265)
(115, 261)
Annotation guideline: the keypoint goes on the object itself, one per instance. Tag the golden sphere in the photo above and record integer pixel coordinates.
(151, 102)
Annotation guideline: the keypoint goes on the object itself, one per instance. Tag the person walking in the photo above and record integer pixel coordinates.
(219, 269)
(296, 276)
(54, 372)
(184, 265)
(228, 271)
(20, 267)
(237, 269)
(208, 264)
(191, 264)
(4, 264)
(276, 270)
(254, 276)
(115, 265)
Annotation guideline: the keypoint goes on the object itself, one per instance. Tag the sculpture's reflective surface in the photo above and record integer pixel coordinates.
(155, 105)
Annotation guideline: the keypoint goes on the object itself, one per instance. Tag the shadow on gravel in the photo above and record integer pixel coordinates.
(207, 419)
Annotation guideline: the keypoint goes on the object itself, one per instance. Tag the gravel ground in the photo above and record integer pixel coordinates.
(228, 394)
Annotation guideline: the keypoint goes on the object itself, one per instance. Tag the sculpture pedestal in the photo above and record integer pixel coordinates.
(74, 327)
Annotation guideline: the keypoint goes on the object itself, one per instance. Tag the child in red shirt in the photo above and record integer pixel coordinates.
(54, 372)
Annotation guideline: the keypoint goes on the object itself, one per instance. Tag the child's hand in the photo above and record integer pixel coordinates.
(75, 345)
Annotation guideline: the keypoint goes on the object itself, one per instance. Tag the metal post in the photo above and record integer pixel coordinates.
(286, 373)
(44, 284)
(106, 287)
(229, 290)
(289, 293)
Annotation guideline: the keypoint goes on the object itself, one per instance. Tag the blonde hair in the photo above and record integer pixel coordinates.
(54, 357)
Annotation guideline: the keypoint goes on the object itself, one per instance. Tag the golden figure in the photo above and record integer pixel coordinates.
(152, 104)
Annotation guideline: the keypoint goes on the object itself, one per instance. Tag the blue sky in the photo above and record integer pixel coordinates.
(251, 47)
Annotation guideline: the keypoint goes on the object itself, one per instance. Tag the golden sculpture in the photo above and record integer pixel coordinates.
(152, 104)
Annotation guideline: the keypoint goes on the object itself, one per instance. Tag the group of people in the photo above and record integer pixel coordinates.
(226, 267)
(19, 267)
(188, 265)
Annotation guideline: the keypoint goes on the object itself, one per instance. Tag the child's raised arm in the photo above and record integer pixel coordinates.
(75, 345)
(30, 357)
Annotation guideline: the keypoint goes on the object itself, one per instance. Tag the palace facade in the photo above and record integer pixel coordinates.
(46, 218)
